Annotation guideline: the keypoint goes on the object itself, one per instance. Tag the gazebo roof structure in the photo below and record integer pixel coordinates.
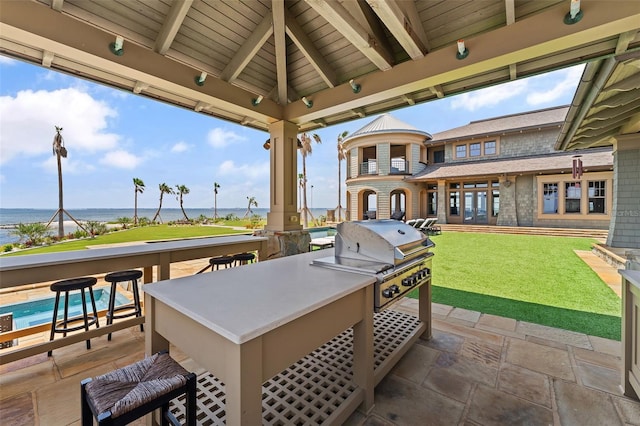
(313, 63)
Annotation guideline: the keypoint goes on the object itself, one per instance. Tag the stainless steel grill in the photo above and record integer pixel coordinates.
(396, 253)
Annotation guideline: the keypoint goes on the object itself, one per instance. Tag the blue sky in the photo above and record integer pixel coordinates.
(113, 136)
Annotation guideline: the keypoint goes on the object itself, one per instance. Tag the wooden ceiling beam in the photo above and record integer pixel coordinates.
(248, 50)
(393, 16)
(171, 25)
(57, 5)
(308, 49)
(279, 41)
(365, 41)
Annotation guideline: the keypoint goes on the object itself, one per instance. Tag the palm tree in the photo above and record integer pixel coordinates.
(60, 152)
(138, 186)
(342, 155)
(305, 150)
(216, 186)
(182, 190)
(300, 185)
(164, 189)
(252, 202)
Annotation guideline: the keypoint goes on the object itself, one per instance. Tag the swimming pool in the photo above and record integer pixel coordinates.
(325, 231)
(36, 312)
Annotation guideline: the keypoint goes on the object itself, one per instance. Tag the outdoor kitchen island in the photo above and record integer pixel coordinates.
(293, 343)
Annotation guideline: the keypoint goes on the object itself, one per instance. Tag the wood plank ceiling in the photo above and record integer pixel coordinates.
(397, 52)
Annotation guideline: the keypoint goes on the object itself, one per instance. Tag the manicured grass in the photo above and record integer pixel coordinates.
(145, 233)
(537, 279)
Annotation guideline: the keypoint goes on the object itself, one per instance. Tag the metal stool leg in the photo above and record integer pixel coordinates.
(136, 301)
(84, 316)
(112, 303)
(66, 312)
(54, 320)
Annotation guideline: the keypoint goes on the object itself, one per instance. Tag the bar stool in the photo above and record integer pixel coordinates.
(216, 262)
(66, 286)
(243, 258)
(123, 276)
(128, 393)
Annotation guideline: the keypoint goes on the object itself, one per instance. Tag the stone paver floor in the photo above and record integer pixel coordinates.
(478, 369)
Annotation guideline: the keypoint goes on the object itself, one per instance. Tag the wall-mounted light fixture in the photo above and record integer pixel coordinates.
(576, 169)
(199, 79)
(463, 52)
(256, 101)
(267, 144)
(116, 47)
(575, 14)
(355, 86)
(307, 102)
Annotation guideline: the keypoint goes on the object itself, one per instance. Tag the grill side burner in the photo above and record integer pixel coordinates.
(395, 253)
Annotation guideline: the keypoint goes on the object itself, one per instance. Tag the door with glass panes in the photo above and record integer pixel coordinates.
(475, 207)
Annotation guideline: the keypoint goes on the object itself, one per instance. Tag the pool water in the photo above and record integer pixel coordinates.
(36, 312)
(321, 232)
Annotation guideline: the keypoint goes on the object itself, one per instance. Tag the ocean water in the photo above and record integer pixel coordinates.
(11, 217)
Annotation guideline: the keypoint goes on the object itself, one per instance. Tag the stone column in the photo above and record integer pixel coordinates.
(443, 204)
(508, 214)
(624, 228)
(286, 236)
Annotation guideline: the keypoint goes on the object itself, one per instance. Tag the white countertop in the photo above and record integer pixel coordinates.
(245, 302)
(632, 276)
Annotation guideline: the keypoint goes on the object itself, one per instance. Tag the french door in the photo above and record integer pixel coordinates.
(475, 207)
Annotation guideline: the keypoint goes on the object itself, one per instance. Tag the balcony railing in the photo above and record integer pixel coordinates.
(399, 167)
(369, 168)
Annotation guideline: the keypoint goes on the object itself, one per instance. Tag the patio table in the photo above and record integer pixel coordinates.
(245, 325)
(29, 269)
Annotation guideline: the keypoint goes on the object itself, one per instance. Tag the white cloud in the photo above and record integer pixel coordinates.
(244, 171)
(490, 96)
(28, 120)
(219, 138)
(5, 60)
(121, 159)
(180, 147)
(568, 83)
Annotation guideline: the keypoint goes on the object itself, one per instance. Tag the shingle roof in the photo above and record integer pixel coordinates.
(386, 123)
(600, 158)
(507, 123)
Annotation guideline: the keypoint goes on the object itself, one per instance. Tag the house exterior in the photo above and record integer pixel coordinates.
(501, 171)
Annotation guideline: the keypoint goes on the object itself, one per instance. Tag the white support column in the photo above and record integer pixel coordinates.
(283, 214)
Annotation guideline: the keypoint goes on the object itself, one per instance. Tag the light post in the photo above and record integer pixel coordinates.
(311, 206)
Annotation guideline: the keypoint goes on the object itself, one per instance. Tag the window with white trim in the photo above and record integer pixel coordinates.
(597, 196)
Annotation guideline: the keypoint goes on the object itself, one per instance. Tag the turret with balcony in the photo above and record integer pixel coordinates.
(380, 156)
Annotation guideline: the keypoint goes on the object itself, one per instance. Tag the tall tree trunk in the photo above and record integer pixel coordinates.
(135, 206)
(304, 193)
(158, 212)
(182, 208)
(60, 204)
(215, 206)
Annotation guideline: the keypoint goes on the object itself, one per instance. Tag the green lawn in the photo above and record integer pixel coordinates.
(537, 279)
(145, 233)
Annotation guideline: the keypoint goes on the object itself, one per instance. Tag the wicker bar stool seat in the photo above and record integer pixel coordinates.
(126, 394)
(243, 258)
(64, 326)
(217, 262)
(134, 308)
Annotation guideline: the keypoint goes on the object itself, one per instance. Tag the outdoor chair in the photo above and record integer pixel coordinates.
(134, 308)
(217, 262)
(418, 223)
(397, 215)
(64, 327)
(126, 394)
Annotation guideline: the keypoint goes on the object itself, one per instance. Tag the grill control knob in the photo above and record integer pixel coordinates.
(394, 288)
(406, 282)
(388, 293)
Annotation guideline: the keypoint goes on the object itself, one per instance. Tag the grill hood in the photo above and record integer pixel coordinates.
(387, 241)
